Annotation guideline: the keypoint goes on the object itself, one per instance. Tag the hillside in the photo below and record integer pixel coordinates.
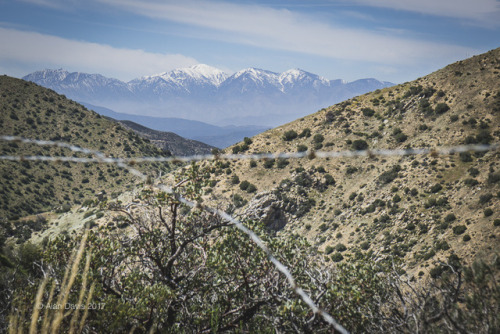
(169, 141)
(28, 188)
(417, 210)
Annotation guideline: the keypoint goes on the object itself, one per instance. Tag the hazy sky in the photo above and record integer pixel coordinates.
(392, 40)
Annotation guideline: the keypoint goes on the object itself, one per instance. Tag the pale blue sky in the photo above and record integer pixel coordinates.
(391, 40)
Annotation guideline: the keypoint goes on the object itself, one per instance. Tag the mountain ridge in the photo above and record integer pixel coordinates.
(208, 94)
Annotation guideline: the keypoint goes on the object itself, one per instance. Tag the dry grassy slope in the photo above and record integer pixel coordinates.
(407, 229)
(32, 111)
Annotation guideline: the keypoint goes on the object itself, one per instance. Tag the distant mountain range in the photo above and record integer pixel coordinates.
(169, 141)
(207, 94)
(218, 136)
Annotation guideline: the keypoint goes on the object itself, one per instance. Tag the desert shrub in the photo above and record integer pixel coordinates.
(450, 218)
(329, 116)
(329, 180)
(465, 157)
(399, 136)
(268, 163)
(251, 188)
(340, 247)
(301, 148)
(337, 257)
(390, 175)
(436, 188)
(253, 163)
(471, 182)
(488, 212)
(466, 238)
(359, 144)
(496, 222)
(235, 179)
(473, 172)
(425, 106)
(493, 178)
(323, 227)
(365, 245)
(368, 112)
(289, 135)
(459, 229)
(306, 133)
(282, 163)
(485, 198)
(318, 138)
(441, 108)
(238, 201)
(351, 170)
(244, 185)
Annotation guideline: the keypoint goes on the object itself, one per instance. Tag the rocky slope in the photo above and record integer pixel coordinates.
(416, 209)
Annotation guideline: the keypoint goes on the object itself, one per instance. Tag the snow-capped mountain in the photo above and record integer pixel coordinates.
(205, 93)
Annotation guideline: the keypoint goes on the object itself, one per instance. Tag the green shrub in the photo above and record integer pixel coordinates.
(368, 112)
(488, 212)
(329, 180)
(235, 179)
(465, 157)
(466, 238)
(337, 257)
(450, 218)
(496, 222)
(251, 188)
(238, 201)
(473, 172)
(323, 227)
(269, 163)
(301, 148)
(459, 229)
(436, 188)
(340, 247)
(244, 185)
(471, 182)
(441, 108)
(306, 133)
(493, 178)
(359, 144)
(390, 175)
(318, 138)
(329, 250)
(485, 198)
(282, 163)
(289, 135)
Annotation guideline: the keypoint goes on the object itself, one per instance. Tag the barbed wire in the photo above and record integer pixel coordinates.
(100, 157)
